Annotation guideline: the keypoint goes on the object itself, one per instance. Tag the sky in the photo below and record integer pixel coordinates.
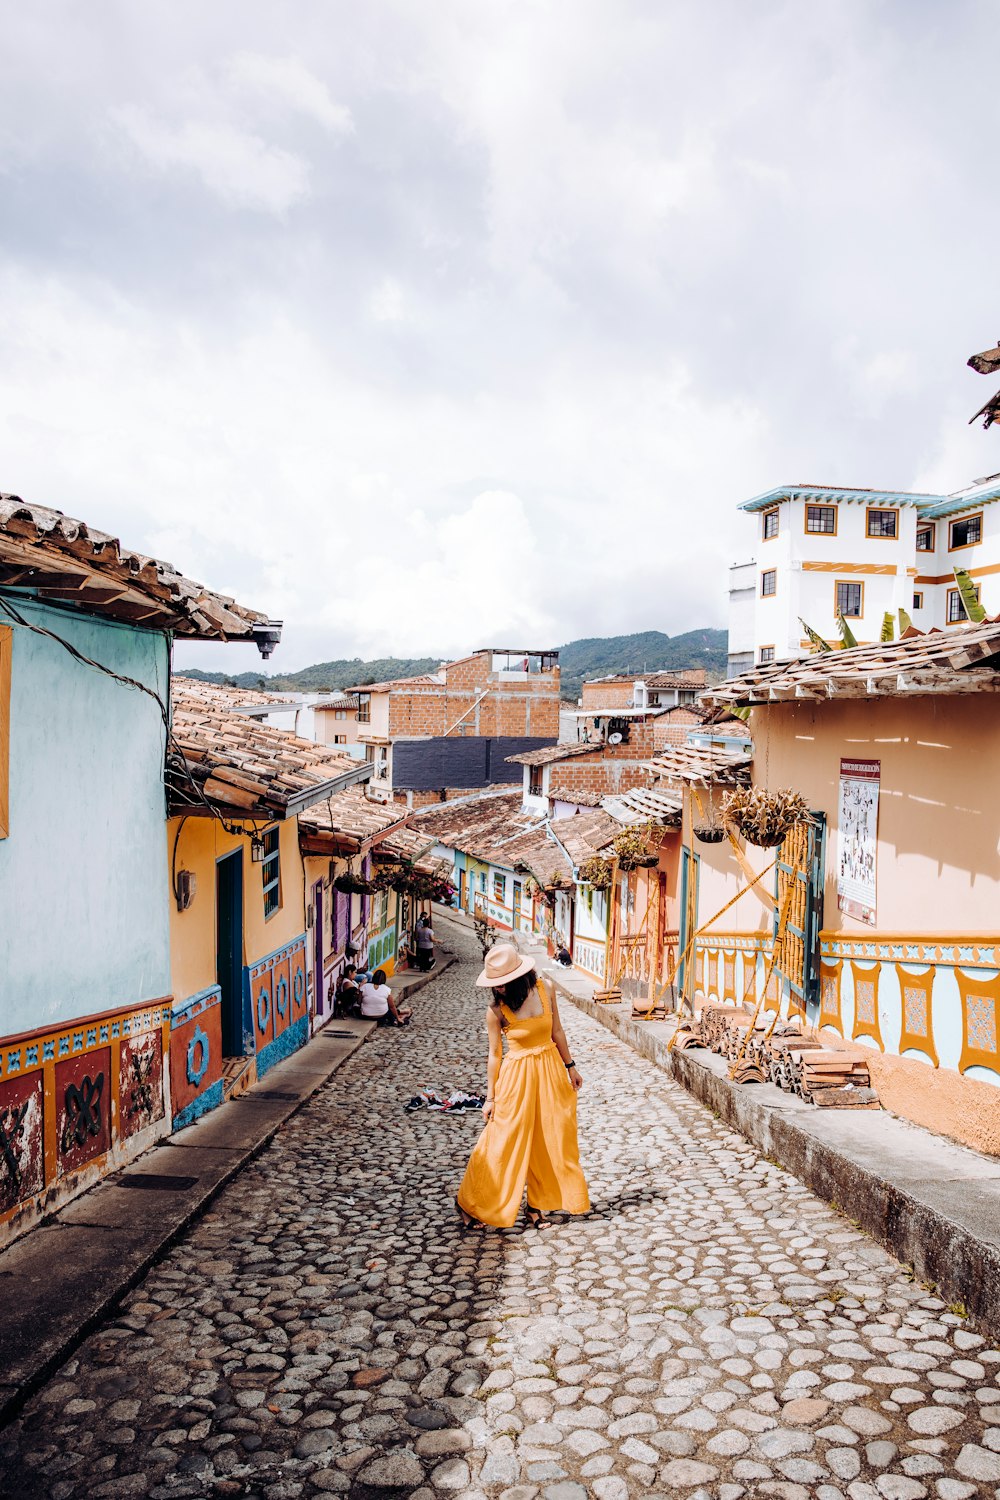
(429, 326)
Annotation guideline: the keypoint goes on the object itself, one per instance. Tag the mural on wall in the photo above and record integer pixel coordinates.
(141, 1081)
(857, 838)
(83, 1100)
(22, 1147)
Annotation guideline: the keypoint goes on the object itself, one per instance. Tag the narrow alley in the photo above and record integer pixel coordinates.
(711, 1329)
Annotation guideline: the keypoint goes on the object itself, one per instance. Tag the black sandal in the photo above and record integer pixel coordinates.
(468, 1222)
(536, 1217)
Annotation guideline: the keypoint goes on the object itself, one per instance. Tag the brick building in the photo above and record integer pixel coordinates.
(447, 733)
(644, 690)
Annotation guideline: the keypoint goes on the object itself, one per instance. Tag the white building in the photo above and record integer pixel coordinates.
(860, 553)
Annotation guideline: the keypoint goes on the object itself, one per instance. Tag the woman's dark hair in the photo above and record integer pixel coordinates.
(516, 991)
(378, 977)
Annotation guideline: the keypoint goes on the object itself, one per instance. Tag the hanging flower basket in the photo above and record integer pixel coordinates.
(596, 872)
(353, 885)
(638, 846)
(765, 818)
(709, 833)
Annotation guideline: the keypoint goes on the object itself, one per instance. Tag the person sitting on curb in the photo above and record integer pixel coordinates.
(378, 1004)
(347, 1001)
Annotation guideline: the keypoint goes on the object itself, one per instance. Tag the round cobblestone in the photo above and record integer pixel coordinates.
(710, 1329)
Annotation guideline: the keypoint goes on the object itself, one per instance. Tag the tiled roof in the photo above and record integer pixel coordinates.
(336, 700)
(695, 766)
(549, 754)
(577, 798)
(643, 803)
(585, 834)
(423, 679)
(65, 560)
(217, 696)
(347, 821)
(959, 659)
(241, 766)
(407, 843)
(474, 825)
(539, 854)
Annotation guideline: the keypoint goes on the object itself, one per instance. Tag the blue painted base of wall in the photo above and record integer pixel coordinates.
(283, 1046)
(210, 1099)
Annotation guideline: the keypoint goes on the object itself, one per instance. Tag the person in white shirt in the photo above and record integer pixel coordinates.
(377, 1003)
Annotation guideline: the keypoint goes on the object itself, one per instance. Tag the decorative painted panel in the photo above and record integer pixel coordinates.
(297, 970)
(589, 957)
(772, 994)
(829, 997)
(917, 993)
(729, 969)
(140, 1082)
(866, 1017)
(22, 1143)
(83, 1108)
(281, 994)
(970, 951)
(277, 990)
(980, 1022)
(196, 1057)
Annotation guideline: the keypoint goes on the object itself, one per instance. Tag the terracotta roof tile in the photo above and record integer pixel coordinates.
(697, 766)
(64, 559)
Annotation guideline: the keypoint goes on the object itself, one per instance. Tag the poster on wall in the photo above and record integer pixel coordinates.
(857, 846)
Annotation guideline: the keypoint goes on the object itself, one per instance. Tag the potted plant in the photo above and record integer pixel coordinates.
(765, 818)
(596, 872)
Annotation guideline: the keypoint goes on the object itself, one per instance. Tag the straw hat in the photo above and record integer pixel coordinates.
(503, 963)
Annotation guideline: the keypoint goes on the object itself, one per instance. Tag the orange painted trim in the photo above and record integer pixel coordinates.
(866, 1018)
(774, 511)
(930, 526)
(963, 521)
(805, 520)
(980, 1009)
(938, 939)
(918, 594)
(761, 660)
(879, 510)
(772, 994)
(921, 997)
(829, 996)
(769, 573)
(886, 569)
(729, 973)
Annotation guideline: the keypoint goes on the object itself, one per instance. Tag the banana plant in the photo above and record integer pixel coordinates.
(970, 599)
(847, 639)
(818, 643)
(905, 623)
(888, 626)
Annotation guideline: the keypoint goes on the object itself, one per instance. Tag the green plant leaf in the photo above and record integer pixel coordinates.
(905, 623)
(888, 626)
(847, 639)
(818, 643)
(967, 589)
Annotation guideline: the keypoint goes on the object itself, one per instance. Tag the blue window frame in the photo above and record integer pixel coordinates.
(271, 871)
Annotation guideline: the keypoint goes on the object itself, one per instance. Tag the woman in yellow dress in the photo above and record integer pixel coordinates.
(529, 1139)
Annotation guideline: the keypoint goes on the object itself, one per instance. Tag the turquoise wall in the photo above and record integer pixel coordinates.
(84, 880)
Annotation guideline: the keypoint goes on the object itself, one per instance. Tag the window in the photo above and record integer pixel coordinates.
(340, 713)
(918, 601)
(535, 781)
(766, 655)
(482, 881)
(956, 609)
(769, 583)
(821, 520)
(925, 538)
(364, 709)
(850, 599)
(500, 888)
(883, 523)
(771, 522)
(340, 739)
(6, 645)
(271, 872)
(966, 533)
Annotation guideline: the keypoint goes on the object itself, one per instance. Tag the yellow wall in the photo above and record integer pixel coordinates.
(200, 843)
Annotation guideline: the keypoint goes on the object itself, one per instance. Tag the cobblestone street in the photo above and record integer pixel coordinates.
(711, 1329)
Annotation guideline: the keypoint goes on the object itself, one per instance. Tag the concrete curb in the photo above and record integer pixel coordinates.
(934, 1204)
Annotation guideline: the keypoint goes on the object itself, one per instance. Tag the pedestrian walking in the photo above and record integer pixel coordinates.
(529, 1140)
(424, 939)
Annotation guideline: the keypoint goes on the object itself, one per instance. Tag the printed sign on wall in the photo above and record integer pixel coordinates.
(857, 838)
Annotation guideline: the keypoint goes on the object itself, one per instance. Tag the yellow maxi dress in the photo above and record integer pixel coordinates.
(531, 1138)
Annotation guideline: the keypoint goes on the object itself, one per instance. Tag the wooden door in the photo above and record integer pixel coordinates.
(319, 998)
(229, 949)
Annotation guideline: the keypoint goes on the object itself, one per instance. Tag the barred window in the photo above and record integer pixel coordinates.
(849, 599)
(769, 583)
(271, 871)
(821, 520)
(883, 523)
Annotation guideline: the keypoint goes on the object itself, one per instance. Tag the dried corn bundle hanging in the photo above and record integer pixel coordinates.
(762, 817)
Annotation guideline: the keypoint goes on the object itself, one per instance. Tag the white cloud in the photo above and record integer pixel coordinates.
(386, 301)
(287, 82)
(235, 164)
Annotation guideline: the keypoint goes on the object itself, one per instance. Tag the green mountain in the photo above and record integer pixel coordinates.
(649, 651)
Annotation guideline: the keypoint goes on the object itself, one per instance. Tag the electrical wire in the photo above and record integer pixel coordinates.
(130, 682)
